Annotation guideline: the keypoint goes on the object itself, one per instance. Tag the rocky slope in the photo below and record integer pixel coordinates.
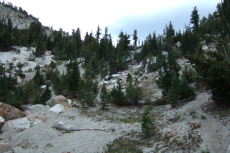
(195, 126)
(19, 19)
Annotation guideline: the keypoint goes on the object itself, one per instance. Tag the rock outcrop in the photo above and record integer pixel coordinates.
(18, 19)
(23, 123)
(9, 112)
(59, 100)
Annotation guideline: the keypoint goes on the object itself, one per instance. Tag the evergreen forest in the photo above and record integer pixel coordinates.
(100, 57)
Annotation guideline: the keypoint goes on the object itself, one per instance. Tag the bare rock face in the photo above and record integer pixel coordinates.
(18, 19)
(9, 112)
(58, 100)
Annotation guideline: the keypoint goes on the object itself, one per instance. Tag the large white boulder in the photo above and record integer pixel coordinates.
(2, 121)
(58, 108)
(21, 123)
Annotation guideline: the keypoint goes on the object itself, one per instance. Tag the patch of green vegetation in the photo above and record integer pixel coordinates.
(71, 117)
(175, 119)
(58, 62)
(112, 117)
(24, 145)
(49, 145)
(123, 144)
(205, 152)
(138, 73)
(148, 127)
(203, 117)
(161, 101)
(221, 111)
(193, 114)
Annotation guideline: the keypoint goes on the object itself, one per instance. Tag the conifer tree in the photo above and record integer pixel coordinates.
(104, 96)
(38, 78)
(117, 96)
(46, 95)
(135, 38)
(73, 77)
(169, 33)
(98, 33)
(189, 42)
(215, 74)
(133, 92)
(224, 13)
(195, 19)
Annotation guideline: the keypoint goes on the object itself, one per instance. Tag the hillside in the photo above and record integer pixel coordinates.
(19, 17)
(62, 93)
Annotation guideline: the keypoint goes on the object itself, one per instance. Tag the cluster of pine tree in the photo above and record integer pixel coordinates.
(30, 92)
(101, 57)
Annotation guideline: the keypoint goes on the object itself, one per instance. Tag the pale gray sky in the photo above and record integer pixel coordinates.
(146, 16)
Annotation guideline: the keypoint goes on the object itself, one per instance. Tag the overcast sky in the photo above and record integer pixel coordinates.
(146, 16)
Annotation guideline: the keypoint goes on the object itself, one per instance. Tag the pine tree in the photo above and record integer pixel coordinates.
(133, 92)
(135, 38)
(73, 77)
(170, 69)
(46, 95)
(215, 74)
(195, 19)
(77, 41)
(169, 33)
(189, 42)
(98, 33)
(117, 96)
(38, 78)
(104, 97)
(148, 127)
(224, 13)
(174, 91)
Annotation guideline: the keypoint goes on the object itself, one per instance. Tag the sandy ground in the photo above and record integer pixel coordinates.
(44, 138)
(213, 131)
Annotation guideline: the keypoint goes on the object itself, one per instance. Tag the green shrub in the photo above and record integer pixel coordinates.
(215, 74)
(147, 124)
(179, 90)
(117, 96)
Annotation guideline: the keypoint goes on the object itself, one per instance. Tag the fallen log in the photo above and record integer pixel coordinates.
(62, 126)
